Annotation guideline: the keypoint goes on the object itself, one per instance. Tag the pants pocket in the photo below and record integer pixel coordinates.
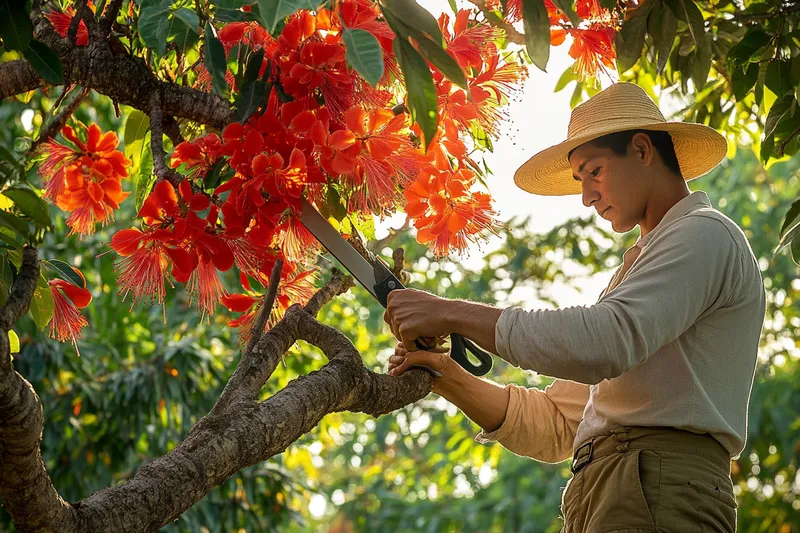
(719, 493)
(650, 480)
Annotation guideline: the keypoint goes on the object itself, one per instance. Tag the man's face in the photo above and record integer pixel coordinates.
(614, 185)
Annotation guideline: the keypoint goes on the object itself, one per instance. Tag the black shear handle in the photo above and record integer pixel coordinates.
(459, 345)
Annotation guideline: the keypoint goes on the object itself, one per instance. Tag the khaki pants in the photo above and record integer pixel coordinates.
(659, 480)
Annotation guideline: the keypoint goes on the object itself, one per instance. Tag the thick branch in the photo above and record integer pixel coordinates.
(259, 362)
(246, 432)
(30, 498)
(19, 300)
(123, 78)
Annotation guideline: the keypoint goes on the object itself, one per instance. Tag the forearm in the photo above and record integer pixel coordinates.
(484, 402)
(476, 321)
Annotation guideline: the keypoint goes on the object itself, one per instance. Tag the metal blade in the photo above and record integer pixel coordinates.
(342, 250)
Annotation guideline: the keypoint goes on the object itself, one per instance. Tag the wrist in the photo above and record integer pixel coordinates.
(451, 318)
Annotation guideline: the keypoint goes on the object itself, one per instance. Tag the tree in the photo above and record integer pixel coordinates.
(280, 122)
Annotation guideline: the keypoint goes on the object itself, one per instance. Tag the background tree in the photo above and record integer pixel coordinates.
(256, 105)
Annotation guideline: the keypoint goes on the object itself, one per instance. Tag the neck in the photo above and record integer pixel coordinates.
(660, 201)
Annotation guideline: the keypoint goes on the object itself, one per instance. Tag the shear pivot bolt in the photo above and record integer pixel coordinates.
(391, 285)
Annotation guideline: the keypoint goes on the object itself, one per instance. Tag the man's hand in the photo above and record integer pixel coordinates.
(412, 314)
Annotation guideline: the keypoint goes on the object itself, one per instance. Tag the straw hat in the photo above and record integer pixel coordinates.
(622, 106)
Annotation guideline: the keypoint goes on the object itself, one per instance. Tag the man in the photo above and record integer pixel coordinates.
(653, 380)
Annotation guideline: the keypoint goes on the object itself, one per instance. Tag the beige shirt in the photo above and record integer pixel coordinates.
(672, 341)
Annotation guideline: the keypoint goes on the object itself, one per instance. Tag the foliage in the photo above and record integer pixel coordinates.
(367, 109)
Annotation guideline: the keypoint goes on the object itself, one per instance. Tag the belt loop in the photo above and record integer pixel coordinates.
(577, 462)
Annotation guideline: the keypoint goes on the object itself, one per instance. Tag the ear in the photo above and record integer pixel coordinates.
(642, 148)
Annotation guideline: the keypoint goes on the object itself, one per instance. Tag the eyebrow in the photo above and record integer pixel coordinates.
(581, 167)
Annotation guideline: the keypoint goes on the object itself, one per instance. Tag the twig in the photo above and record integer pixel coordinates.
(52, 129)
(112, 10)
(172, 130)
(511, 33)
(782, 146)
(157, 144)
(266, 307)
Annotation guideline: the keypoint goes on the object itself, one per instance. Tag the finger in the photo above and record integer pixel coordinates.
(421, 358)
(386, 317)
(396, 359)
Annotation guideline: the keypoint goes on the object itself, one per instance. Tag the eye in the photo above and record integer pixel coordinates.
(595, 172)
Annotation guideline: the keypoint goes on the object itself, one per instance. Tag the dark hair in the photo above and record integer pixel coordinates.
(618, 143)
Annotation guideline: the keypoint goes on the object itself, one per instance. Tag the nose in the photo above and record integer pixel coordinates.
(589, 195)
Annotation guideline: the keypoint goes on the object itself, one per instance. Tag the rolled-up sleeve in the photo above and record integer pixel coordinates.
(541, 424)
(689, 269)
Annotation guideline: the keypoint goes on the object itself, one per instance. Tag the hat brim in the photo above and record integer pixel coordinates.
(698, 148)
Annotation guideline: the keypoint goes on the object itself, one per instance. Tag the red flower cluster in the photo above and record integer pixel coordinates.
(324, 134)
(593, 41)
(85, 179)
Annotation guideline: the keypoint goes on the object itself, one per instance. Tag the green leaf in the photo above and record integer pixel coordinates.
(45, 62)
(145, 178)
(743, 80)
(42, 304)
(778, 110)
(754, 40)
(421, 90)
(65, 271)
(154, 26)
(365, 226)
(536, 24)
(16, 28)
(14, 223)
(791, 219)
(630, 39)
(431, 49)
(567, 77)
(334, 204)
(566, 7)
(185, 30)
(415, 18)
(662, 25)
(778, 78)
(215, 61)
(13, 342)
(252, 95)
(796, 251)
(365, 54)
(215, 175)
(137, 124)
(254, 66)
(701, 62)
(271, 12)
(29, 204)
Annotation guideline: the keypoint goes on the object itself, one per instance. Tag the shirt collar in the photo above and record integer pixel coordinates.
(684, 206)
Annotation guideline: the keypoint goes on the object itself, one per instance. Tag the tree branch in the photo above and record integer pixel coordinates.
(29, 495)
(55, 125)
(157, 143)
(266, 306)
(111, 12)
(123, 78)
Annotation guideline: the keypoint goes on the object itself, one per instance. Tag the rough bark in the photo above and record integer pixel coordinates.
(123, 78)
(238, 432)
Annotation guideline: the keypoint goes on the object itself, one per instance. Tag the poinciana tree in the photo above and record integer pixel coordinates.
(237, 109)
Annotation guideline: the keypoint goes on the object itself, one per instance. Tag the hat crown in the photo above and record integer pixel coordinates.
(622, 106)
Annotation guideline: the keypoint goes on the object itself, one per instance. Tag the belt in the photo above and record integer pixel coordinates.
(666, 439)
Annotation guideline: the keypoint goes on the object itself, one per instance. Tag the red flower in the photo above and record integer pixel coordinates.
(67, 321)
(198, 156)
(295, 286)
(593, 51)
(446, 213)
(85, 180)
(60, 23)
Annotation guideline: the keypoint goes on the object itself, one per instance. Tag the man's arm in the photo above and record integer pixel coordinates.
(692, 268)
(476, 321)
